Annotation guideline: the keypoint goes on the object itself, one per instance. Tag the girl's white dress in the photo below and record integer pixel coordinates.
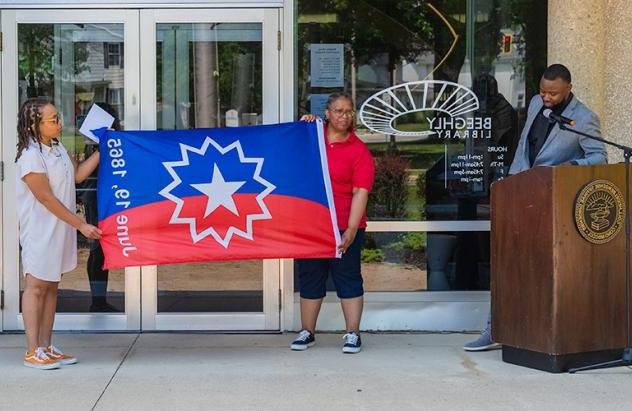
(49, 245)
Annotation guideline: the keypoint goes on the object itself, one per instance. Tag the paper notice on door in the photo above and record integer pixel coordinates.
(327, 65)
(97, 118)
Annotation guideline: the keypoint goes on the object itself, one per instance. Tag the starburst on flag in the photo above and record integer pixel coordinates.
(218, 191)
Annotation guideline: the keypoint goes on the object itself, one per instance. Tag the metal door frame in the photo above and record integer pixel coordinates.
(11, 317)
(269, 18)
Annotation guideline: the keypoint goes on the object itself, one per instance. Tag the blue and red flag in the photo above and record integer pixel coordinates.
(215, 194)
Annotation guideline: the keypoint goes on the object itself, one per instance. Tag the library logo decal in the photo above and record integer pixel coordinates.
(441, 104)
(598, 210)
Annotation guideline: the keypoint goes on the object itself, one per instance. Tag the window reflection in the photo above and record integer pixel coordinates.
(208, 75)
(423, 261)
(76, 66)
(495, 49)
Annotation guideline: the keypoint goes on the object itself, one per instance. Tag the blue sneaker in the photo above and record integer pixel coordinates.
(482, 343)
(303, 341)
(353, 343)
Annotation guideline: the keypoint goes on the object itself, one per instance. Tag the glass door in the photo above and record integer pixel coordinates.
(76, 59)
(210, 68)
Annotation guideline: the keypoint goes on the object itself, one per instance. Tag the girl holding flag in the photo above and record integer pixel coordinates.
(46, 177)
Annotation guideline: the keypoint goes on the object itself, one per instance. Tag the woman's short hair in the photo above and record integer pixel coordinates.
(336, 96)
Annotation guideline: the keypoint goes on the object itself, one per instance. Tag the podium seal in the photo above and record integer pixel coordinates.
(599, 211)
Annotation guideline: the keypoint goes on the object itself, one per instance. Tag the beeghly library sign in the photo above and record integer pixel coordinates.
(447, 110)
(381, 112)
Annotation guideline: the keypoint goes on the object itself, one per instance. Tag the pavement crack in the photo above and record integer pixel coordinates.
(129, 349)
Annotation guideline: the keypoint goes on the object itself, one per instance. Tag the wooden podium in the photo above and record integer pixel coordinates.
(558, 300)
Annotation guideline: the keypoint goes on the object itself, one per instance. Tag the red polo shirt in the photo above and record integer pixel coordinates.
(350, 165)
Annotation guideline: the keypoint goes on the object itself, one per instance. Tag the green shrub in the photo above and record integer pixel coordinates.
(421, 193)
(372, 255)
(409, 249)
(389, 195)
(414, 241)
(411, 241)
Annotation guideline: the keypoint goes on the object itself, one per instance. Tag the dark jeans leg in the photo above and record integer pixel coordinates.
(97, 275)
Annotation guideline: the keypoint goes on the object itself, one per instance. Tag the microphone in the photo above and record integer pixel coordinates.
(548, 113)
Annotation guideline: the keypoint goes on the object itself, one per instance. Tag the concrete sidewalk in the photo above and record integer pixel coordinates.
(259, 372)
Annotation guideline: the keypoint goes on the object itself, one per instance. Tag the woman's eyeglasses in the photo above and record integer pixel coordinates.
(342, 113)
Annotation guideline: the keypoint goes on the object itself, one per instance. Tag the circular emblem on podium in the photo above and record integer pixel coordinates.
(599, 211)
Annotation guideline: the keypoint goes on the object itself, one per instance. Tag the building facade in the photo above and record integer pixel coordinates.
(441, 90)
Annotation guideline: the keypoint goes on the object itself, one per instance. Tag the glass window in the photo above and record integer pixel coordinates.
(209, 75)
(67, 64)
(441, 89)
(113, 54)
(232, 286)
(423, 261)
(426, 261)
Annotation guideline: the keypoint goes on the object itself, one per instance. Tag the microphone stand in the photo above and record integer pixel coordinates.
(626, 358)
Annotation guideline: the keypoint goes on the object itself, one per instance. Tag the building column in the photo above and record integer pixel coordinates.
(594, 40)
(617, 115)
(576, 39)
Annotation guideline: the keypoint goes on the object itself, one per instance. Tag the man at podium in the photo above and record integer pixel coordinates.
(543, 143)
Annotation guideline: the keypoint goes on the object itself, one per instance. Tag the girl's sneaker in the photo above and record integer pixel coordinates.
(39, 360)
(60, 357)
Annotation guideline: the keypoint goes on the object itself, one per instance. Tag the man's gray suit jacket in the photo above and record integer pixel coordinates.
(562, 146)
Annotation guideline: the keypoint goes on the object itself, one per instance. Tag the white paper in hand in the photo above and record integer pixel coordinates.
(96, 118)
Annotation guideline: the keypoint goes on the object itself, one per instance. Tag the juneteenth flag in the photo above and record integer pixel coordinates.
(181, 196)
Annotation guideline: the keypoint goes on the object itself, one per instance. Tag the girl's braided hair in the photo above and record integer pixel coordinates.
(29, 119)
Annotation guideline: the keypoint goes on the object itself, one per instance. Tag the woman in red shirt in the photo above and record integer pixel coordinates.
(351, 169)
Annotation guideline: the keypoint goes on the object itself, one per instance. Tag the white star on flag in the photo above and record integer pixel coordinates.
(219, 192)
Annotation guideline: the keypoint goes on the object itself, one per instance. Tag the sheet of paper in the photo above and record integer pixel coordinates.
(96, 118)
(327, 65)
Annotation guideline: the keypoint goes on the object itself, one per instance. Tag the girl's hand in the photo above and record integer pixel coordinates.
(90, 231)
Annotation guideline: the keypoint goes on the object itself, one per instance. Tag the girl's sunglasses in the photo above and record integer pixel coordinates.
(55, 119)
